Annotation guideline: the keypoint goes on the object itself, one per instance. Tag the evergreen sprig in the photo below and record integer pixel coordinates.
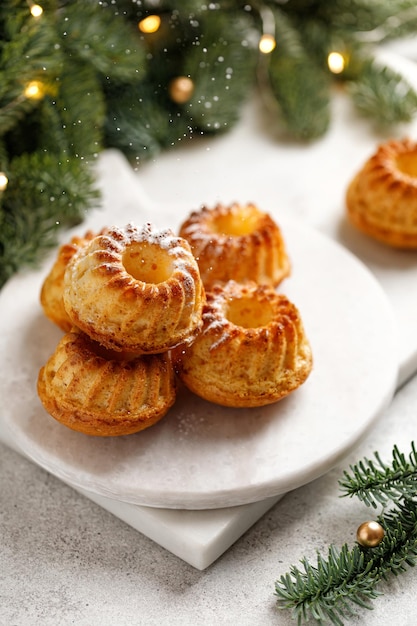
(383, 94)
(374, 482)
(104, 83)
(327, 591)
(48, 144)
(47, 192)
(332, 589)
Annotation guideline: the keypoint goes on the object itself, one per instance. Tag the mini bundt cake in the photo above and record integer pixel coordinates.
(252, 350)
(52, 290)
(99, 392)
(236, 242)
(381, 199)
(135, 289)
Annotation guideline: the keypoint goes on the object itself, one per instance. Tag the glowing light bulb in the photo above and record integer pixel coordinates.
(336, 62)
(267, 43)
(36, 10)
(34, 90)
(150, 24)
(3, 181)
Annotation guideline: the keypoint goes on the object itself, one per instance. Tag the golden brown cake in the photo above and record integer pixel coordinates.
(381, 199)
(53, 286)
(252, 350)
(236, 242)
(135, 289)
(104, 393)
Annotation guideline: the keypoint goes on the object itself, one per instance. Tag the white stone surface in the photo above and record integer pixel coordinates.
(202, 455)
(236, 460)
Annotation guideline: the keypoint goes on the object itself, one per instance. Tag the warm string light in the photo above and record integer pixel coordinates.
(36, 10)
(336, 62)
(267, 44)
(34, 90)
(150, 24)
(4, 181)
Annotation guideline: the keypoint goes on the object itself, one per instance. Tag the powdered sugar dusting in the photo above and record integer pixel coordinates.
(164, 238)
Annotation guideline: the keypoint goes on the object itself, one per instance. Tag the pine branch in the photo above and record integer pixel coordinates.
(298, 84)
(391, 19)
(46, 193)
(383, 95)
(321, 591)
(81, 106)
(25, 57)
(222, 68)
(101, 38)
(329, 591)
(374, 482)
(137, 124)
(105, 83)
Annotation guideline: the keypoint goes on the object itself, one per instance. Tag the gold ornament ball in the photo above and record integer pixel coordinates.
(370, 534)
(181, 89)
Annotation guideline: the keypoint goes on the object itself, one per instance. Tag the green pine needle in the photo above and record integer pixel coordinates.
(46, 192)
(347, 578)
(139, 126)
(383, 95)
(375, 482)
(106, 84)
(222, 68)
(101, 38)
(297, 82)
(331, 590)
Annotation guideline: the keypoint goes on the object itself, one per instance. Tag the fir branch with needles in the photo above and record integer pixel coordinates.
(374, 482)
(383, 94)
(347, 579)
(83, 76)
(47, 192)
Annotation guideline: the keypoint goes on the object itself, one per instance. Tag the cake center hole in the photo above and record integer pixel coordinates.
(147, 262)
(237, 223)
(249, 313)
(407, 163)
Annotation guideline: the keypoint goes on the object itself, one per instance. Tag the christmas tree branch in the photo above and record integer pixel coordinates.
(47, 192)
(329, 591)
(82, 76)
(374, 482)
(375, 92)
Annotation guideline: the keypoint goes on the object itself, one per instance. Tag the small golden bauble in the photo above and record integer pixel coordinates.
(370, 534)
(181, 89)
